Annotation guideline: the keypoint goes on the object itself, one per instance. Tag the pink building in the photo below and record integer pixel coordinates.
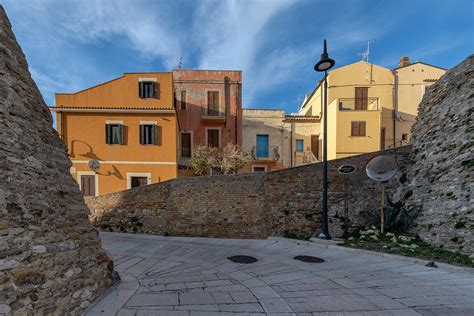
(209, 110)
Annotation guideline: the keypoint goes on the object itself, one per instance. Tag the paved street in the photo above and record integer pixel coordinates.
(192, 276)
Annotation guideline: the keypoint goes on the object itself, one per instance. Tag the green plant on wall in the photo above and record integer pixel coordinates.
(395, 213)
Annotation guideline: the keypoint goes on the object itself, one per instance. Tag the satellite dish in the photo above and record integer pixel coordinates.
(94, 165)
(381, 168)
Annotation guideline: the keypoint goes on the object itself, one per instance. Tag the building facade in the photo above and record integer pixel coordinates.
(209, 110)
(128, 125)
(370, 107)
(277, 140)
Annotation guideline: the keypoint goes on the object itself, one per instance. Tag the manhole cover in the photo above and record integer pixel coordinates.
(243, 259)
(309, 259)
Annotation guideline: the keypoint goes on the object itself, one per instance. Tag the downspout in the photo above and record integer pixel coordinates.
(395, 105)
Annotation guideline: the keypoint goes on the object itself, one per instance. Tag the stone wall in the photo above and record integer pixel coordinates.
(51, 260)
(256, 205)
(440, 178)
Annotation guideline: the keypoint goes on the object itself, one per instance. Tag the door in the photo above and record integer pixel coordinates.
(213, 138)
(213, 103)
(88, 185)
(138, 181)
(262, 146)
(361, 98)
(315, 145)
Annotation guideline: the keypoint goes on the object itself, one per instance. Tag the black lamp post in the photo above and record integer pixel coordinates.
(324, 64)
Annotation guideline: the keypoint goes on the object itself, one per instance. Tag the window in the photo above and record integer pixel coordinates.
(213, 103)
(88, 185)
(361, 98)
(213, 138)
(114, 134)
(259, 168)
(186, 145)
(299, 145)
(183, 100)
(358, 128)
(147, 134)
(405, 137)
(262, 146)
(138, 182)
(147, 89)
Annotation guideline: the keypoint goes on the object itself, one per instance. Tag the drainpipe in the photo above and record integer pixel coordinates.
(395, 105)
(291, 143)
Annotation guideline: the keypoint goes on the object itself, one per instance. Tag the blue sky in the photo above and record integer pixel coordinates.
(71, 45)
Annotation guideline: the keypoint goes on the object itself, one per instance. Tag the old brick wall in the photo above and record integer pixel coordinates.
(51, 259)
(256, 205)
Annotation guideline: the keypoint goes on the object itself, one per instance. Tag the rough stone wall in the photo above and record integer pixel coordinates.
(257, 205)
(51, 260)
(441, 175)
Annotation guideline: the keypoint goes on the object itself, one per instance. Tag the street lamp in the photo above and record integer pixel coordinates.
(324, 64)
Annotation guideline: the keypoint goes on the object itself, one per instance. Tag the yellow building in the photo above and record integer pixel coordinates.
(127, 124)
(370, 107)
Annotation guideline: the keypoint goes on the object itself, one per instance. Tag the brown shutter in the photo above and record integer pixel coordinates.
(88, 185)
(362, 128)
(183, 100)
(361, 98)
(354, 128)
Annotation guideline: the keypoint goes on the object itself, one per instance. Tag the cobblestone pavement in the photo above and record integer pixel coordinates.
(192, 276)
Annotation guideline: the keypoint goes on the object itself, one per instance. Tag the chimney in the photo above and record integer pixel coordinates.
(404, 61)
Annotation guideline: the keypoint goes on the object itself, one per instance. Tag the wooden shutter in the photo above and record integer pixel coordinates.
(120, 133)
(362, 128)
(354, 129)
(153, 134)
(183, 100)
(155, 90)
(141, 89)
(361, 98)
(88, 185)
(108, 134)
(142, 134)
(185, 145)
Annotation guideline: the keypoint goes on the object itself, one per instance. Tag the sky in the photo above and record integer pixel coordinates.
(71, 45)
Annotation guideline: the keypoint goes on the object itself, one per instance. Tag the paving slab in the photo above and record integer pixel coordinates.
(192, 276)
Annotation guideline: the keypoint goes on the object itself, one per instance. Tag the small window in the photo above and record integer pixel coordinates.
(186, 145)
(114, 134)
(405, 137)
(147, 89)
(358, 128)
(299, 145)
(136, 182)
(183, 100)
(147, 134)
(259, 169)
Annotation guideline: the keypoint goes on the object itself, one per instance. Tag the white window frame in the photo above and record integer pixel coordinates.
(88, 173)
(137, 174)
(192, 142)
(220, 135)
(264, 166)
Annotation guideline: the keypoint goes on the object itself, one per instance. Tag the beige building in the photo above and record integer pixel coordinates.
(370, 107)
(277, 140)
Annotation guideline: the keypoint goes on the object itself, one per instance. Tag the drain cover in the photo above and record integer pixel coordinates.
(243, 259)
(309, 259)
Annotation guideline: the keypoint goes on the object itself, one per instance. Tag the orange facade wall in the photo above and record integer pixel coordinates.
(121, 93)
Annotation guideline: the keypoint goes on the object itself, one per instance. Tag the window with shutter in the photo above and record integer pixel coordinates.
(358, 128)
(147, 89)
(186, 145)
(361, 98)
(213, 138)
(114, 134)
(213, 103)
(148, 134)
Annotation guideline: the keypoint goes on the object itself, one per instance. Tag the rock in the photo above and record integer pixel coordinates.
(404, 238)
(39, 199)
(374, 237)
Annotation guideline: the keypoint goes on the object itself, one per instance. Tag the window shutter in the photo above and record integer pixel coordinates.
(155, 90)
(142, 134)
(153, 134)
(141, 89)
(120, 134)
(353, 128)
(361, 128)
(108, 134)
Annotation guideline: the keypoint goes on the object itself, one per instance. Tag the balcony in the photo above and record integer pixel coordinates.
(212, 114)
(268, 153)
(359, 104)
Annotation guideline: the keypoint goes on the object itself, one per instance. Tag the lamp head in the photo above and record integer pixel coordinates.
(325, 63)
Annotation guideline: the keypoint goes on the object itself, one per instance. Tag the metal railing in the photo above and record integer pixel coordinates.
(265, 153)
(212, 112)
(358, 104)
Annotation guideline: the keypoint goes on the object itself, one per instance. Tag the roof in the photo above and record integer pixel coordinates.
(302, 118)
(419, 62)
(111, 109)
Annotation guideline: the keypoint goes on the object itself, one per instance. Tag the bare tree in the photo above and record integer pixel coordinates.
(228, 160)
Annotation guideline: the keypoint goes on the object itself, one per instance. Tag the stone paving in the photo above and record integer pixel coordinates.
(192, 276)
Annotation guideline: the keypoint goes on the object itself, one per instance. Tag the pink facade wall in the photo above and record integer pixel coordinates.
(197, 83)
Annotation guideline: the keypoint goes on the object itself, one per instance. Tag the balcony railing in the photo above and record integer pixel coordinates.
(358, 104)
(265, 153)
(212, 113)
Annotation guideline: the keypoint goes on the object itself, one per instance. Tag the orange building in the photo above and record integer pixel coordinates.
(209, 108)
(127, 124)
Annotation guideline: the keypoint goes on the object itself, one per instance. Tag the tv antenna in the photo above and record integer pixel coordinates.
(180, 63)
(365, 55)
(381, 169)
